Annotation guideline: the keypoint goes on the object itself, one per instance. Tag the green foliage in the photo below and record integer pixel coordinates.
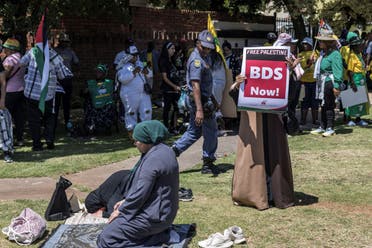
(233, 7)
(343, 14)
(338, 13)
(24, 15)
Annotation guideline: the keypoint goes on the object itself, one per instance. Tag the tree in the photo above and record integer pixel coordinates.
(342, 14)
(238, 8)
(21, 16)
(338, 13)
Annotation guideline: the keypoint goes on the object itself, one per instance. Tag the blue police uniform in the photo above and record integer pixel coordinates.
(198, 69)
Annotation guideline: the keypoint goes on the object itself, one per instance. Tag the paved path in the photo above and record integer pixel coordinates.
(43, 187)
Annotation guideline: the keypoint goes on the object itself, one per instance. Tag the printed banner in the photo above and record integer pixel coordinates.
(266, 86)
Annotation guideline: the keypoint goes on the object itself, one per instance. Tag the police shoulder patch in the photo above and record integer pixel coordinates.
(197, 63)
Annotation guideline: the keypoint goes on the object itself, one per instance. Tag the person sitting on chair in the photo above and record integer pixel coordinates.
(99, 108)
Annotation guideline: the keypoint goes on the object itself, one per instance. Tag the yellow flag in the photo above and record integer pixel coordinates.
(216, 41)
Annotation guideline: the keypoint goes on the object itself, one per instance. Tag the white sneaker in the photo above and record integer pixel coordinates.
(319, 130)
(235, 234)
(216, 240)
(329, 132)
(362, 123)
(351, 124)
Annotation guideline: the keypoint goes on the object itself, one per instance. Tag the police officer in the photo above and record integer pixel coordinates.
(202, 104)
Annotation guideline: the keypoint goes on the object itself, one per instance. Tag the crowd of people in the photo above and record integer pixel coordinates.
(148, 203)
(345, 62)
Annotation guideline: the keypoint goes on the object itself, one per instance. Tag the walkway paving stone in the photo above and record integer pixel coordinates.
(43, 187)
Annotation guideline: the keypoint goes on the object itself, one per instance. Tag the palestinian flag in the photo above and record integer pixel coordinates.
(216, 41)
(41, 53)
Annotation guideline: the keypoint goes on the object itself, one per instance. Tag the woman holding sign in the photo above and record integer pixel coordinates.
(357, 78)
(263, 172)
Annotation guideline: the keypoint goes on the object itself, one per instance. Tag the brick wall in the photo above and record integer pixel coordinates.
(98, 40)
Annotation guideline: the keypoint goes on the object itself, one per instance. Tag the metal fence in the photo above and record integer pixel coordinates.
(285, 25)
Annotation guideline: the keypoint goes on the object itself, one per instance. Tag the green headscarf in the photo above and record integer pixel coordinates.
(150, 132)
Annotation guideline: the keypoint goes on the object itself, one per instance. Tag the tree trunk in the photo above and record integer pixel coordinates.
(297, 20)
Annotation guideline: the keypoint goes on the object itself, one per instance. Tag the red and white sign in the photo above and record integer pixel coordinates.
(266, 86)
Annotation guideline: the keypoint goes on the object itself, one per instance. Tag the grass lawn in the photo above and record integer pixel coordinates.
(71, 155)
(333, 187)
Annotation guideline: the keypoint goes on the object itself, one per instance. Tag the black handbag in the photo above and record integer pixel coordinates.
(59, 208)
(147, 88)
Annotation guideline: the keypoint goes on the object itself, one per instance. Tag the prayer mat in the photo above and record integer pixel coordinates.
(85, 235)
(81, 235)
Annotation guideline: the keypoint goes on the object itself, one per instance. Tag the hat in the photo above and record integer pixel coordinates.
(353, 39)
(286, 38)
(283, 39)
(307, 40)
(64, 37)
(12, 44)
(132, 50)
(271, 36)
(325, 34)
(206, 39)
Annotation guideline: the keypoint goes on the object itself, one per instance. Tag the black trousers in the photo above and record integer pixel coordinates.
(57, 104)
(15, 103)
(66, 98)
(328, 108)
(293, 97)
(36, 119)
(170, 99)
(108, 193)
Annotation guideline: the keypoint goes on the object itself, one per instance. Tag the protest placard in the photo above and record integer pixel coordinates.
(266, 86)
(350, 98)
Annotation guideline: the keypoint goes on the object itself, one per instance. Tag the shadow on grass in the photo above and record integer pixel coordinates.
(66, 146)
(223, 167)
(303, 199)
(343, 130)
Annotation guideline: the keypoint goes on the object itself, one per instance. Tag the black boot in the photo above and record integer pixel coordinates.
(209, 168)
(303, 116)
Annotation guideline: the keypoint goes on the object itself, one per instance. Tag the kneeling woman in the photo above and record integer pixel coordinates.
(145, 216)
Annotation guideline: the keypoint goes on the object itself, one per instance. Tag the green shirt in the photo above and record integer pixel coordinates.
(101, 92)
(332, 64)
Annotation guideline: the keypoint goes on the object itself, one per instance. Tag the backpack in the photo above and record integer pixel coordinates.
(59, 208)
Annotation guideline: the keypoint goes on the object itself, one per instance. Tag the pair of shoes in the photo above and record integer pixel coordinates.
(216, 240)
(50, 145)
(185, 195)
(8, 157)
(329, 132)
(235, 234)
(362, 123)
(221, 133)
(351, 124)
(210, 168)
(176, 151)
(319, 130)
